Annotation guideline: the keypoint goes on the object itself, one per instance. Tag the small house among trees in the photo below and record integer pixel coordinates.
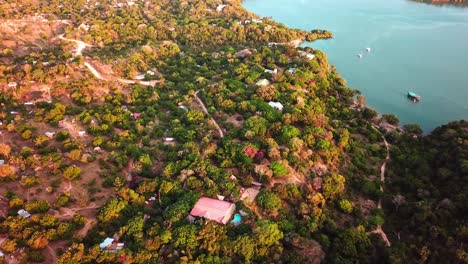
(213, 209)
(276, 105)
(24, 213)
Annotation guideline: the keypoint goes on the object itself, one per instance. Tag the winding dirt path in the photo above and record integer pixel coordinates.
(128, 171)
(79, 52)
(69, 186)
(81, 45)
(220, 131)
(84, 231)
(52, 254)
(378, 229)
(382, 169)
(68, 213)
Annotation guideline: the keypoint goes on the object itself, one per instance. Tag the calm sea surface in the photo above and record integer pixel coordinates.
(414, 47)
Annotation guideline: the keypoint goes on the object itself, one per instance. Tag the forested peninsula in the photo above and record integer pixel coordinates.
(445, 2)
(197, 132)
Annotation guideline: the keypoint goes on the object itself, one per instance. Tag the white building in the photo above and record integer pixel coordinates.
(220, 8)
(276, 105)
(306, 55)
(106, 242)
(24, 213)
(50, 134)
(140, 77)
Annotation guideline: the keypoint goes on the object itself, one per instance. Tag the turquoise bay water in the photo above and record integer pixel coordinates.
(414, 46)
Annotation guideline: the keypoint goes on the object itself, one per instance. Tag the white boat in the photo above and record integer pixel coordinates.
(359, 55)
(368, 49)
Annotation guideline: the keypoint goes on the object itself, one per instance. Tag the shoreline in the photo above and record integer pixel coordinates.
(423, 119)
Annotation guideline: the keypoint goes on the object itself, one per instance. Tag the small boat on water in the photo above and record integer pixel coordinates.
(368, 49)
(413, 97)
(359, 55)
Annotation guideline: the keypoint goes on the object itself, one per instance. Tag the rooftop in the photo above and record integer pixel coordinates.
(106, 242)
(213, 209)
(24, 213)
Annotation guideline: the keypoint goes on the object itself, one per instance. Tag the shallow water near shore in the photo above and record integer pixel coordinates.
(414, 46)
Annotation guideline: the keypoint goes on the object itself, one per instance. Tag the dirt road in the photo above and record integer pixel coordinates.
(220, 131)
(89, 224)
(79, 52)
(52, 254)
(81, 45)
(379, 229)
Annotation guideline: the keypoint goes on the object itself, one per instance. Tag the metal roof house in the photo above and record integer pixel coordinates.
(24, 213)
(106, 242)
(213, 209)
(276, 105)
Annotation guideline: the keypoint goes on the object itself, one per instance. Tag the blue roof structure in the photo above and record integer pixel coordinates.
(106, 242)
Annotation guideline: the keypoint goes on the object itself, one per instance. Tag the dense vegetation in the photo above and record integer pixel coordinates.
(426, 204)
(91, 158)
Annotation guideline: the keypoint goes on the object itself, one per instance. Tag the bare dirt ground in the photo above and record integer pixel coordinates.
(387, 126)
(23, 36)
(237, 120)
(97, 72)
(66, 213)
(73, 128)
(53, 256)
(127, 171)
(84, 231)
(35, 92)
(292, 177)
(254, 208)
(50, 251)
(366, 205)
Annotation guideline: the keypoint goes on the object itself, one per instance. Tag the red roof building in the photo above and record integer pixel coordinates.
(212, 209)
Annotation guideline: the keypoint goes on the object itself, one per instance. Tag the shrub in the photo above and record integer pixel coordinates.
(391, 119)
(368, 113)
(279, 169)
(268, 200)
(346, 206)
(29, 181)
(62, 200)
(26, 134)
(72, 172)
(38, 206)
(62, 135)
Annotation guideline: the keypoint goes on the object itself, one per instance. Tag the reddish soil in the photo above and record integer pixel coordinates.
(237, 120)
(24, 36)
